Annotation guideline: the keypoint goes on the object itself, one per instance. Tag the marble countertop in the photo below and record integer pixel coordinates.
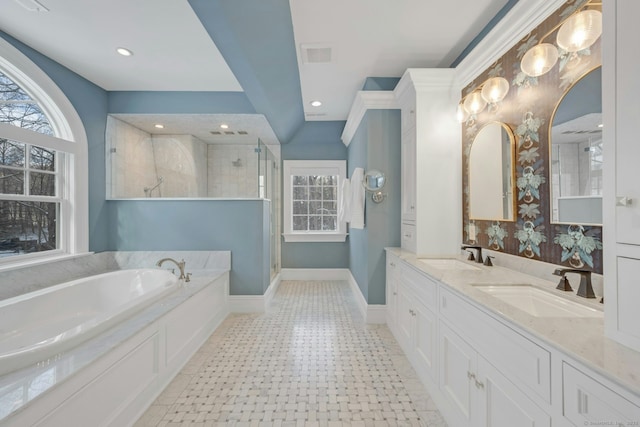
(21, 387)
(581, 338)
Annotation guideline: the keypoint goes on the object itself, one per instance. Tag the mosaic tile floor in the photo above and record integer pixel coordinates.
(309, 361)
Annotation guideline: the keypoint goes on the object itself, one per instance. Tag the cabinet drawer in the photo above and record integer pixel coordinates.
(408, 240)
(424, 288)
(588, 402)
(527, 364)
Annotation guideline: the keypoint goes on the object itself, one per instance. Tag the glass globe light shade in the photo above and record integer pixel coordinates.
(495, 89)
(474, 103)
(539, 59)
(461, 113)
(580, 31)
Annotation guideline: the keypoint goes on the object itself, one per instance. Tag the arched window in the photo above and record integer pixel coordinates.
(43, 164)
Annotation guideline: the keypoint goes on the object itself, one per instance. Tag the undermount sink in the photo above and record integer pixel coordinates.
(447, 264)
(538, 302)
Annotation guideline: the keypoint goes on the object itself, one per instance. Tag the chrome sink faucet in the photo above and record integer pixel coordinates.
(181, 265)
(584, 290)
(471, 257)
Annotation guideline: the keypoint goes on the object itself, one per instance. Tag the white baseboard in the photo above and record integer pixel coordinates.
(314, 274)
(246, 303)
(372, 313)
(271, 291)
(377, 313)
(254, 303)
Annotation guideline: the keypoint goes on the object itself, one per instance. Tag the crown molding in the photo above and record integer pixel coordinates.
(424, 79)
(366, 100)
(516, 24)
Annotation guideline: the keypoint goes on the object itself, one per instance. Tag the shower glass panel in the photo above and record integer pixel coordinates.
(268, 188)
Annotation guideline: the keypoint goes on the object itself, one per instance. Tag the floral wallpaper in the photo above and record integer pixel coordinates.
(528, 110)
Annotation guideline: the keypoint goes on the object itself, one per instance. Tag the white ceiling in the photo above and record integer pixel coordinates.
(173, 52)
(579, 130)
(378, 38)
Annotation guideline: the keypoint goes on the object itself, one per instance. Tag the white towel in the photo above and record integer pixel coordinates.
(357, 199)
(344, 205)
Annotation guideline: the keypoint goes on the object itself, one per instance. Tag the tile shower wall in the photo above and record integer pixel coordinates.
(139, 161)
(233, 171)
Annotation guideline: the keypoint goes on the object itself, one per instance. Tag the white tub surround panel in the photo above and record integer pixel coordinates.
(431, 162)
(482, 358)
(111, 379)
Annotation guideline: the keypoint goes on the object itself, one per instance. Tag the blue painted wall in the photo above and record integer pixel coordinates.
(144, 102)
(376, 145)
(235, 225)
(316, 141)
(380, 83)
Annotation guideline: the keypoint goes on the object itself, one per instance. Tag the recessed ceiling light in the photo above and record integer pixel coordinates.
(600, 125)
(316, 103)
(224, 126)
(124, 51)
(159, 126)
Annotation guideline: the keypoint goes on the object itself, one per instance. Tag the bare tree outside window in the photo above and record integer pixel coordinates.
(28, 177)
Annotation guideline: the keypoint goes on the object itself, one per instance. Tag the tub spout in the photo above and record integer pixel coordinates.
(180, 265)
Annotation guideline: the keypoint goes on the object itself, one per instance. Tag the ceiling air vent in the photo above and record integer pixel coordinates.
(215, 132)
(229, 132)
(243, 132)
(315, 53)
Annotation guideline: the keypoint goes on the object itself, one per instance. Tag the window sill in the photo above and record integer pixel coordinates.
(314, 237)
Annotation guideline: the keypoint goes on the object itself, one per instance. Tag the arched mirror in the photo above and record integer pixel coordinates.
(492, 174)
(576, 153)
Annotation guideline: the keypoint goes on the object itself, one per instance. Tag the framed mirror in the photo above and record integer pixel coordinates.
(492, 174)
(373, 180)
(575, 142)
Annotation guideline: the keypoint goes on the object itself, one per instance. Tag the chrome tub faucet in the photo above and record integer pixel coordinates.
(181, 265)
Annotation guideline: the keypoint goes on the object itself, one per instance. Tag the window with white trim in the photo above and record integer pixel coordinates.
(311, 195)
(43, 209)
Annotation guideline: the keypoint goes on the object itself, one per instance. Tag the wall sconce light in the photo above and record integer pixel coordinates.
(577, 32)
(539, 59)
(491, 92)
(474, 103)
(494, 90)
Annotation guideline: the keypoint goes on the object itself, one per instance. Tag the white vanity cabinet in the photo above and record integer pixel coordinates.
(416, 321)
(431, 165)
(393, 277)
(621, 202)
(478, 394)
(484, 370)
(588, 402)
(472, 344)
